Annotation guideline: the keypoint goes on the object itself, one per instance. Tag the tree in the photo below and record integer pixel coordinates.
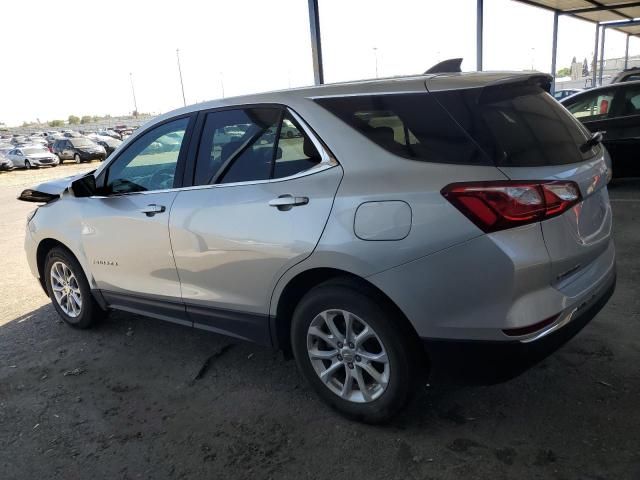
(85, 119)
(564, 72)
(73, 120)
(585, 68)
(56, 123)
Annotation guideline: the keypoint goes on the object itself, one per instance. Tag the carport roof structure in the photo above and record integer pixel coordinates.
(601, 11)
(620, 15)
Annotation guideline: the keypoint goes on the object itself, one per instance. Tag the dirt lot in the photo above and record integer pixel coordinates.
(131, 399)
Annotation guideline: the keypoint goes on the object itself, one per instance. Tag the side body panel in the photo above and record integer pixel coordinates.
(230, 245)
(130, 252)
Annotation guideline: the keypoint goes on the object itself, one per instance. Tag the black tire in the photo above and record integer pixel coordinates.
(90, 311)
(27, 164)
(406, 363)
(77, 159)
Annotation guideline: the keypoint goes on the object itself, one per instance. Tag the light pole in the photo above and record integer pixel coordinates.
(133, 90)
(375, 54)
(533, 55)
(184, 101)
(222, 84)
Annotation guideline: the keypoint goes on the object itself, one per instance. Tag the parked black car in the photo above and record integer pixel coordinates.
(627, 75)
(78, 149)
(614, 110)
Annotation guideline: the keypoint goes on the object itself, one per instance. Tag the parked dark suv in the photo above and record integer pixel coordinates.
(78, 149)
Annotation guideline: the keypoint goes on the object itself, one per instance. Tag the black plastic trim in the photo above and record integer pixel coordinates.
(161, 309)
(245, 326)
(242, 325)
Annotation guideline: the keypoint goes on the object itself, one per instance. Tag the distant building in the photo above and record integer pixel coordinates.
(611, 67)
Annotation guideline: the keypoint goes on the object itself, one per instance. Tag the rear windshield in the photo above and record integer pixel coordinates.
(518, 125)
(412, 125)
(81, 142)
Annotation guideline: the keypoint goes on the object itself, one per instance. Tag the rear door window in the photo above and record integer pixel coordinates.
(628, 101)
(252, 144)
(295, 151)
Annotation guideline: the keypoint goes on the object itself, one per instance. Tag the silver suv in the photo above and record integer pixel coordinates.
(459, 207)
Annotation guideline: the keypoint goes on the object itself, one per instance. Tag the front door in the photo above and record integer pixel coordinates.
(125, 231)
(264, 193)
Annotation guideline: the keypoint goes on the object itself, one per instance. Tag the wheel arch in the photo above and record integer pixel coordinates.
(44, 247)
(304, 281)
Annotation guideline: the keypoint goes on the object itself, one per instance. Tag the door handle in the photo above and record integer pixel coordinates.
(287, 202)
(152, 209)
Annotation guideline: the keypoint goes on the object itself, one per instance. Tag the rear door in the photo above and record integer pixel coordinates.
(264, 188)
(532, 137)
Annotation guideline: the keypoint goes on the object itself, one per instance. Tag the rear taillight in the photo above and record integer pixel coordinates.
(494, 206)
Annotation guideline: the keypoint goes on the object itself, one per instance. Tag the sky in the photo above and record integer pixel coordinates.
(77, 57)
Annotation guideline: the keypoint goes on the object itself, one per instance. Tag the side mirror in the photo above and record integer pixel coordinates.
(84, 187)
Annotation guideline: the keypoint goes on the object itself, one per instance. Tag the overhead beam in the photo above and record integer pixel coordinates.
(316, 43)
(621, 23)
(479, 33)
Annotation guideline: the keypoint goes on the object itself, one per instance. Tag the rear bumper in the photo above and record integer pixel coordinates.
(490, 362)
(494, 283)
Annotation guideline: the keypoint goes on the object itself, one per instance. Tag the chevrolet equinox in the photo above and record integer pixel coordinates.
(347, 224)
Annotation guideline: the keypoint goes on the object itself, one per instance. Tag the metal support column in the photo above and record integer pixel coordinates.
(604, 31)
(626, 53)
(554, 51)
(479, 33)
(594, 73)
(316, 45)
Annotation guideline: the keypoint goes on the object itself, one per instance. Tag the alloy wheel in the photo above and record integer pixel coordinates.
(348, 356)
(66, 289)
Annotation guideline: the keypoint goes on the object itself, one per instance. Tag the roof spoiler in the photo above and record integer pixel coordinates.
(452, 65)
(488, 80)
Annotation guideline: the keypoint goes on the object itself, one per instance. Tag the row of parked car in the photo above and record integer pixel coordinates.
(52, 148)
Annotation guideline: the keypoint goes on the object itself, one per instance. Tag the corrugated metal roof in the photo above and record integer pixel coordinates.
(595, 11)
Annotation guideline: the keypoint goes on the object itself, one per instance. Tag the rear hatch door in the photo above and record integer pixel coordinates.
(532, 137)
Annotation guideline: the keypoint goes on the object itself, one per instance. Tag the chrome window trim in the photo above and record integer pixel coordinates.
(327, 161)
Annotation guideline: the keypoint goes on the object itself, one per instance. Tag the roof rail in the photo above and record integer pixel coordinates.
(452, 65)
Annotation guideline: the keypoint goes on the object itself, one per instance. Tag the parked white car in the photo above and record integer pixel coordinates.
(34, 156)
(5, 163)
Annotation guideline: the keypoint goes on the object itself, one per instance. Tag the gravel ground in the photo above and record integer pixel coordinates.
(138, 398)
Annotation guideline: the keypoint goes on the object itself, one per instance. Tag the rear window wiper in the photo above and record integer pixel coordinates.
(595, 139)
